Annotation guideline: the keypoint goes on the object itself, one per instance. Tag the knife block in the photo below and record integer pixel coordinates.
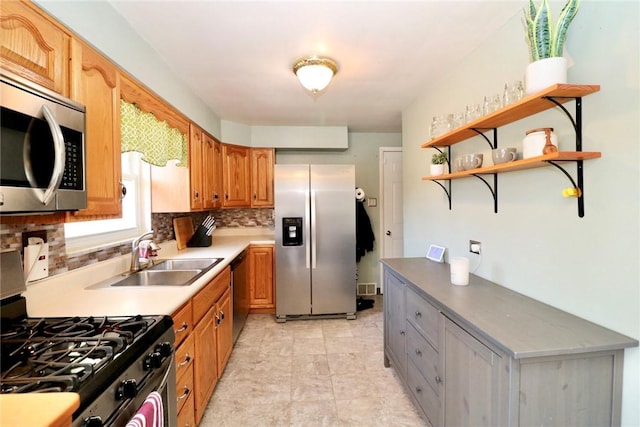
(199, 239)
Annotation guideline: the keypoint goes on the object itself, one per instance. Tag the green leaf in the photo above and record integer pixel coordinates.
(567, 14)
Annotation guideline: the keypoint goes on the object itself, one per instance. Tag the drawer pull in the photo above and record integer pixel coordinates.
(182, 329)
(418, 352)
(184, 394)
(418, 314)
(438, 379)
(186, 360)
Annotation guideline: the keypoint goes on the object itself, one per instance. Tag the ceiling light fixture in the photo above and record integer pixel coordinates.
(315, 72)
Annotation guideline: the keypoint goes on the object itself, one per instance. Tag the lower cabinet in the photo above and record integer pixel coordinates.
(203, 342)
(261, 279)
(458, 377)
(395, 324)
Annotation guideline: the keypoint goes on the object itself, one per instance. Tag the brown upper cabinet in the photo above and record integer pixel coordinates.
(211, 172)
(236, 176)
(34, 46)
(262, 160)
(95, 82)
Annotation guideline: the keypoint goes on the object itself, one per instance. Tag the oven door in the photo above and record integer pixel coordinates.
(163, 381)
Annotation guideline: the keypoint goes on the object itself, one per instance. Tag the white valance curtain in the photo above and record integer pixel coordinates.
(158, 142)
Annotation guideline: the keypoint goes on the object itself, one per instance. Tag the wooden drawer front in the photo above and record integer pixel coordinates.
(187, 415)
(185, 356)
(208, 296)
(424, 357)
(182, 323)
(184, 388)
(423, 393)
(423, 316)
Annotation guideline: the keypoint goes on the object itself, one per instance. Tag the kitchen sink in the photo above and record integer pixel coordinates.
(159, 278)
(185, 264)
(164, 272)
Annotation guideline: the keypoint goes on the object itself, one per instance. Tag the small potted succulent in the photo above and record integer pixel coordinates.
(437, 163)
(546, 43)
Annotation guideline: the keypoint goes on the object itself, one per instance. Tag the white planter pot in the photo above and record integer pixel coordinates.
(544, 73)
(437, 170)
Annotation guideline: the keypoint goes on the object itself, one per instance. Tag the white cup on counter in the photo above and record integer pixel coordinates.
(459, 271)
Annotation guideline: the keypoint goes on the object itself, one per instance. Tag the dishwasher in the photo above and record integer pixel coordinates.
(240, 292)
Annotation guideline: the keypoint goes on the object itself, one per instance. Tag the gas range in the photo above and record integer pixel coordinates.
(113, 363)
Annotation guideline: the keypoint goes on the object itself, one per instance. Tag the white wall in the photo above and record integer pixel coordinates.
(536, 244)
(363, 152)
(101, 26)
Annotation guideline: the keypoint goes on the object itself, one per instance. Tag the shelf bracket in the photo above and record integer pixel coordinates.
(480, 131)
(493, 190)
(579, 185)
(575, 122)
(447, 189)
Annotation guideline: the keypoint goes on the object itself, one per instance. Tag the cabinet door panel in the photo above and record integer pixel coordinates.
(206, 366)
(195, 166)
(224, 330)
(96, 84)
(262, 177)
(33, 47)
(471, 380)
(394, 311)
(261, 292)
(236, 176)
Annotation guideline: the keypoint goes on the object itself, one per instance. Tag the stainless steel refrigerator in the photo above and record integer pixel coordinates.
(315, 224)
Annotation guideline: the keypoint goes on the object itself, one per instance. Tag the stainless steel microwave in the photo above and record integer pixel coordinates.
(42, 150)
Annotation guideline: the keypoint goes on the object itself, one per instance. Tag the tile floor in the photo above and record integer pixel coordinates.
(326, 372)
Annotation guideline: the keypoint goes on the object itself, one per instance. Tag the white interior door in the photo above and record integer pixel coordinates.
(391, 202)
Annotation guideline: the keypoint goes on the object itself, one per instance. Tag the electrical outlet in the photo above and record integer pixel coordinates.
(474, 247)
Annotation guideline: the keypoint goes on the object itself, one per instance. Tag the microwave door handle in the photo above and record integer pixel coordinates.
(59, 155)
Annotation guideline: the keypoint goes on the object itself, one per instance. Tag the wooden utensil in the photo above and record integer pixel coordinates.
(183, 229)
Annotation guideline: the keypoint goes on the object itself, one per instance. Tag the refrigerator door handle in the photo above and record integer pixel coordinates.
(307, 230)
(313, 229)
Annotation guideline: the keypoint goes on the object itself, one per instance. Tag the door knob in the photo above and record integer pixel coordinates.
(388, 233)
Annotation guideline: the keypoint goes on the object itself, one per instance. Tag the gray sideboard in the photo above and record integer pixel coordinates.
(483, 355)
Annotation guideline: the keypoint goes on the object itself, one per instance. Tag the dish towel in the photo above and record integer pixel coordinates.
(150, 414)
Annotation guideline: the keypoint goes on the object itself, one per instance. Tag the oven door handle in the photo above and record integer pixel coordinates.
(58, 161)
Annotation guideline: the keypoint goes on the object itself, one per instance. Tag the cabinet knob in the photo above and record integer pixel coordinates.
(418, 314)
(438, 379)
(226, 196)
(418, 390)
(123, 190)
(418, 352)
(255, 196)
(196, 195)
(388, 233)
(401, 332)
(215, 196)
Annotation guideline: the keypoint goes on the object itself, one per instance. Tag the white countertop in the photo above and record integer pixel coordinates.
(67, 294)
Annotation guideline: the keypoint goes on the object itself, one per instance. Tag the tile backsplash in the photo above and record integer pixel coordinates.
(162, 224)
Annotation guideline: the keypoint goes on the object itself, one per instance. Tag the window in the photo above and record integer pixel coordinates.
(136, 212)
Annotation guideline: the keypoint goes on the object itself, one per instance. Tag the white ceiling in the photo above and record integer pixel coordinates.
(237, 55)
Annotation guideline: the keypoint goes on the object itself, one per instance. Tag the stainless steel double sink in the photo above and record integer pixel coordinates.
(167, 272)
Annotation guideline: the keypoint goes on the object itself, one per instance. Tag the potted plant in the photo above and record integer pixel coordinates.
(546, 43)
(437, 163)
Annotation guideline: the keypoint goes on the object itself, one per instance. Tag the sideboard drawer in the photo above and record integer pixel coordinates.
(423, 316)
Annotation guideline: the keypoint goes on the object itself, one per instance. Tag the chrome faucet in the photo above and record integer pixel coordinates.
(135, 250)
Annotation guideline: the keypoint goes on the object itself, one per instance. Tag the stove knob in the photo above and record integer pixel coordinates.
(165, 349)
(93, 421)
(152, 361)
(128, 389)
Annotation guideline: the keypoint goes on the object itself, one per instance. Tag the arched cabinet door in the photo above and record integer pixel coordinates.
(34, 47)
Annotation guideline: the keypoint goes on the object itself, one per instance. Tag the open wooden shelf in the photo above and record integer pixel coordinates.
(530, 163)
(526, 107)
